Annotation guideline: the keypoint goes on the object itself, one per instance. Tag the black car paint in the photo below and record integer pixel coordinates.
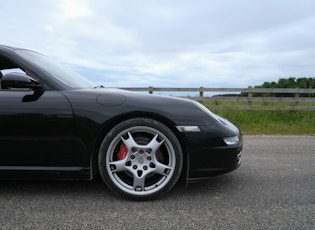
(57, 131)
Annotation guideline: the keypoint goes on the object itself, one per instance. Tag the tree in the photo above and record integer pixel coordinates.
(291, 82)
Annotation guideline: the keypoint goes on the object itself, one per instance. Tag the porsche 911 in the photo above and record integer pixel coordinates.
(56, 124)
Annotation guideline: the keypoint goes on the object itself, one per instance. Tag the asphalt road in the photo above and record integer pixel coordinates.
(273, 189)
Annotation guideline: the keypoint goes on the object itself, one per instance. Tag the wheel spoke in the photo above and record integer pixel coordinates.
(130, 142)
(155, 144)
(118, 166)
(162, 169)
(138, 183)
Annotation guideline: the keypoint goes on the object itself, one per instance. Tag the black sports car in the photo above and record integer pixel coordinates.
(55, 124)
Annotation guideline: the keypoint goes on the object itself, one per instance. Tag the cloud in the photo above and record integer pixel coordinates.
(75, 9)
(206, 43)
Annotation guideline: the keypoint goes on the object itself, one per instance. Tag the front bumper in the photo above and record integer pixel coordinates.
(214, 161)
(208, 153)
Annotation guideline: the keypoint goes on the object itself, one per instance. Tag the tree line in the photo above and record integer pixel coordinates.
(291, 82)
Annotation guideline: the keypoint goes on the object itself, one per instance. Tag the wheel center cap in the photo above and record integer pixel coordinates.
(140, 160)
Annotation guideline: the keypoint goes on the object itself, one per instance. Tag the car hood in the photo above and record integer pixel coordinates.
(179, 110)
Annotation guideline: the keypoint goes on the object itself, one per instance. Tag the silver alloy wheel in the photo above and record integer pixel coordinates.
(140, 158)
(148, 165)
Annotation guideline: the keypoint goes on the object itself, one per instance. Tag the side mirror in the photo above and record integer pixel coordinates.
(19, 81)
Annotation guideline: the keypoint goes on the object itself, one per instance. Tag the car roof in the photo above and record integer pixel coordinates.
(11, 48)
(7, 47)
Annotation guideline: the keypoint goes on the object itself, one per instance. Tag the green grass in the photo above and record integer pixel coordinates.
(271, 122)
(255, 104)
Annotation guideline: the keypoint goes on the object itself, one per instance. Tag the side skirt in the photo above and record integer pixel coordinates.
(44, 173)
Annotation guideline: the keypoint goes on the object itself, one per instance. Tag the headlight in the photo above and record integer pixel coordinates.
(205, 109)
(231, 140)
(217, 117)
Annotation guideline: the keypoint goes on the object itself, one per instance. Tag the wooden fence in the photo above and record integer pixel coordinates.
(303, 99)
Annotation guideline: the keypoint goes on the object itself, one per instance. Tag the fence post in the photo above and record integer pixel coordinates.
(201, 94)
(297, 95)
(150, 89)
(249, 98)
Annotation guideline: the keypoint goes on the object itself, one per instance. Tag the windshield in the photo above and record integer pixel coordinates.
(58, 72)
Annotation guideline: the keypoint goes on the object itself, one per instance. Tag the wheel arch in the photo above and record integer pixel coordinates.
(106, 127)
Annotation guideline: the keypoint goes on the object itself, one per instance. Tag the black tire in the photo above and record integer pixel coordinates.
(140, 159)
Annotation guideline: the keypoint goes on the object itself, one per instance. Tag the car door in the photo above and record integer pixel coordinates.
(36, 128)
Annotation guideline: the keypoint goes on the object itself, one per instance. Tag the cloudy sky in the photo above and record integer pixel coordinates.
(168, 43)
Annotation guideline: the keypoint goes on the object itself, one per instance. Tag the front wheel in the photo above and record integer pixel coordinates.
(140, 159)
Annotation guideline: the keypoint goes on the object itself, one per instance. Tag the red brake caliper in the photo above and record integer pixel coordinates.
(122, 152)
